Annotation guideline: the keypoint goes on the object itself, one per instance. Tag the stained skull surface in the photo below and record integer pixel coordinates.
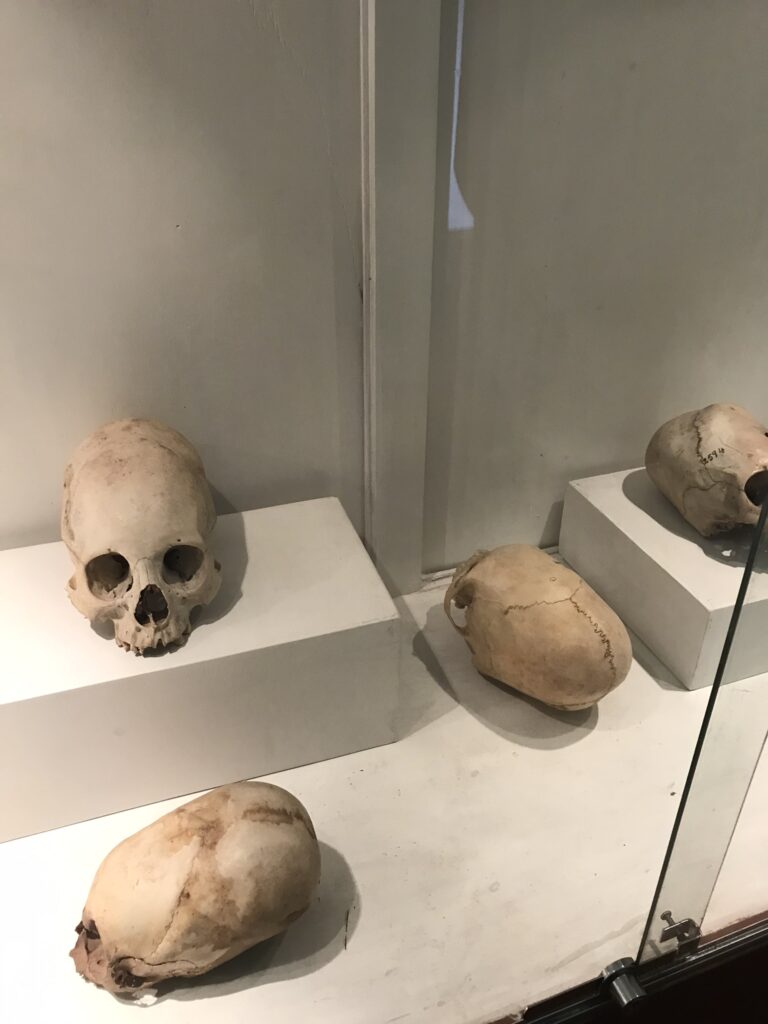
(712, 464)
(137, 516)
(197, 887)
(537, 627)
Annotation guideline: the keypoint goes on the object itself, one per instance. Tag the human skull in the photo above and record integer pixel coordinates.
(198, 887)
(537, 627)
(712, 464)
(137, 515)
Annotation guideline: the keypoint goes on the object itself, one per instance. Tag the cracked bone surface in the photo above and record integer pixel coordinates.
(712, 464)
(197, 887)
(137, 516)
(534, 625)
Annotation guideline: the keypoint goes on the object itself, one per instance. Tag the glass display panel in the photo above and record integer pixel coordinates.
(725, 758)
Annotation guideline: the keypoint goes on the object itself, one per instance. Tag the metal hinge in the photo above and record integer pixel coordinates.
(619, 978)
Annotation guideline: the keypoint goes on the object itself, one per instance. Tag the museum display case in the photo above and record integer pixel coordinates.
(383, 555)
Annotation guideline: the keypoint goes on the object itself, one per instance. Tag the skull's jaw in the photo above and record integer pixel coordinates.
(142, 639)
(129, 633)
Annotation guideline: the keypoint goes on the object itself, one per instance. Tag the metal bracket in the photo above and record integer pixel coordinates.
(687, 933)
(619, 978)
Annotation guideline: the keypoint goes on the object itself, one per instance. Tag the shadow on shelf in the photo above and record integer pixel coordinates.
(510, 714)
(729, 548)
(233, 554)
(420, 702)
(322, 934)
(658, 671)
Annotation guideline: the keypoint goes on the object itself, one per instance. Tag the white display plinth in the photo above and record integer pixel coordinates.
(294, 662)
(499, 853)
(674, 588)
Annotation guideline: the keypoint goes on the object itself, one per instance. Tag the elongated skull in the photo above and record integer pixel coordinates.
(197, 887)
(712, 464)
(137, 515)
(537, 627)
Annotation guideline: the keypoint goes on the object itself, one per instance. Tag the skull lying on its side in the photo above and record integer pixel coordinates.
(537, 627)
(197, 887)
(136, 517)
(712, 464)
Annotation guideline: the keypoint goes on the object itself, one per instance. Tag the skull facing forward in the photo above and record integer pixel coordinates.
(137, 516)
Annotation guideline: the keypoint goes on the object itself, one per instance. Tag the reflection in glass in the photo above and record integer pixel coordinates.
(729, 746)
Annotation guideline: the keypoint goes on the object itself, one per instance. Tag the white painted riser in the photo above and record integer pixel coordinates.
(495, 855)
(295, 661)
(674, 588)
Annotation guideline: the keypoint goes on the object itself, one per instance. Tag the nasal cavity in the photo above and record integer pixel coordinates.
(151, 606)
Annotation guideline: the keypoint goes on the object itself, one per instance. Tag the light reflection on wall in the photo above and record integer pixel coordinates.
(460, 217)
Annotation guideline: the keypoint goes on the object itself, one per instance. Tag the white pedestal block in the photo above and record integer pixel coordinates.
(674, 588)
(295, 661)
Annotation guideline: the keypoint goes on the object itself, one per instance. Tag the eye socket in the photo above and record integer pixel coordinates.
(107, 575)
(181, 563)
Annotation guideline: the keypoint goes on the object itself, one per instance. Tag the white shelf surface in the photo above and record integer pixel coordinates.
(497, 854)
(320, 582)
(302, 626)
(710, 568)
(671, 586)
